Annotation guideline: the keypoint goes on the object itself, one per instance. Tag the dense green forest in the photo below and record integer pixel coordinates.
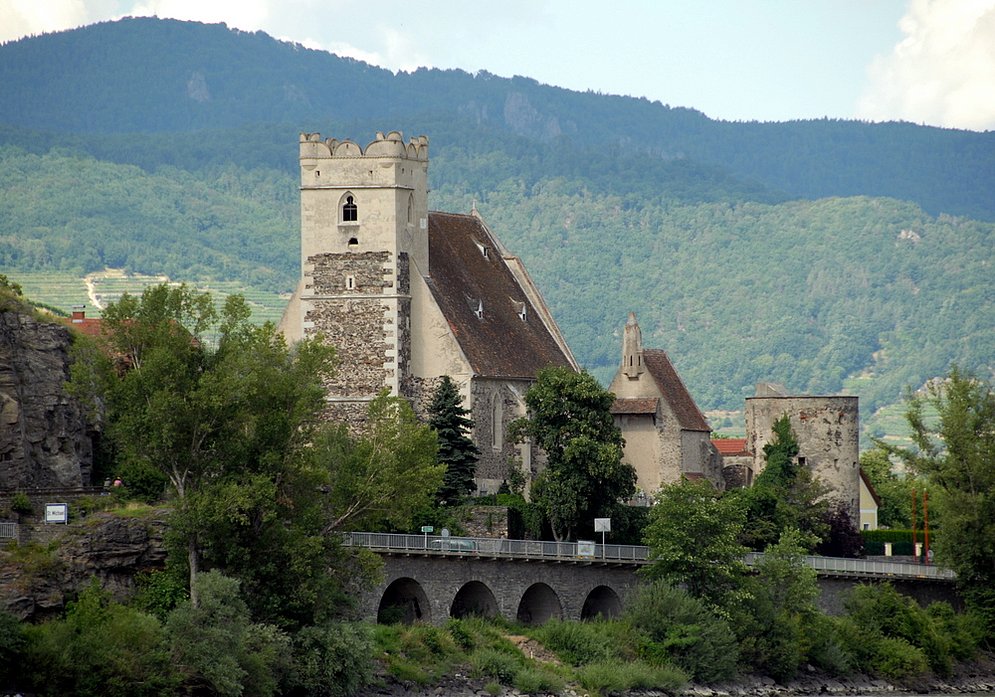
(808, 253)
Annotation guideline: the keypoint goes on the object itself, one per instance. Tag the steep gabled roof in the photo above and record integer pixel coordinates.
(870, 487)
(498, 327)
(688, 415)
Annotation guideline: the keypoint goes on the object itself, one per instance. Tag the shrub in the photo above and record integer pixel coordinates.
(332, 660)
(577, 643)
(826, 649)
(897, 659)
(12, 642)
(492, 663)
(682, 629)
(20, 503)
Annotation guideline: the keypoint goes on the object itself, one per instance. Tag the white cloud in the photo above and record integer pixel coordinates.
(249, 15)
(23, 17)
(943, 71)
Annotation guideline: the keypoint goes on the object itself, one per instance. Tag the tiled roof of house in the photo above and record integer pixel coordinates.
(635, 405)
(497, 326)
(688, 415)
(730, 446)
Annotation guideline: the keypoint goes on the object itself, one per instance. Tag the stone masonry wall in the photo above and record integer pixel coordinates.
(357, 327)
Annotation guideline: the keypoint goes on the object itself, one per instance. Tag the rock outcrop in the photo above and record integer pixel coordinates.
(44, 437)
(37, 581)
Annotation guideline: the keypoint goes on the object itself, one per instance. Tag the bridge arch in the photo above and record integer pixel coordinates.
(474, 598)
(405, 601)
(602, 601)
(539, 603)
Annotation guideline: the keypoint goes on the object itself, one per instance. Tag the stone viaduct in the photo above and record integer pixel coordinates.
(430, 580)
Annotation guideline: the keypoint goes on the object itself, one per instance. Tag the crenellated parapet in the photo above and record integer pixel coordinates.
(390, 145)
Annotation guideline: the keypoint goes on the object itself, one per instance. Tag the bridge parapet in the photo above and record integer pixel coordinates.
(493, 548)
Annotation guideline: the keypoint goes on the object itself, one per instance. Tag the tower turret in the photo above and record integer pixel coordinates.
(632, 348)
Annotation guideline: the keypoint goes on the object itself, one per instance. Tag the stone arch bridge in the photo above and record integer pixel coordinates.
(430, 579)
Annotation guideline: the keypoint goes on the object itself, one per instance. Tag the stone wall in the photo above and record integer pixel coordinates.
(487, 521)
(354, 320)
(45, 440)
(496, 404)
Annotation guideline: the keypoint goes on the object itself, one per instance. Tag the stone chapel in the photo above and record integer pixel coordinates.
(407, 295)
(666, 435)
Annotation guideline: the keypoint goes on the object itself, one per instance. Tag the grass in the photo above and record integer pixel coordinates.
(604, 655)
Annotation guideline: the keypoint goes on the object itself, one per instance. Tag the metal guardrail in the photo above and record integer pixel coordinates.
(869, 569)
(8, 530)
(489, 547)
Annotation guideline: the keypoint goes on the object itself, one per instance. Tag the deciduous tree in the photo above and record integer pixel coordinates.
(956, 453)
(569, 417)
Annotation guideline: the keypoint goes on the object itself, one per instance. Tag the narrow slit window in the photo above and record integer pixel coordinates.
(350, 282)
(350, 212)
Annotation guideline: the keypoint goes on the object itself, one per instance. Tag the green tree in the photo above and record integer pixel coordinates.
(449, 419)
(693, 539)
(956, 453)
(380, 477)
(209, 417)
(569, 417)
(215, 645)
(782, 608)
(784, 496)
(893, 488)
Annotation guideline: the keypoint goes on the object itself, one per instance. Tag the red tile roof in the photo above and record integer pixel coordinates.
(635, 405)
(500, 343)
(688, 415)
(730, 446)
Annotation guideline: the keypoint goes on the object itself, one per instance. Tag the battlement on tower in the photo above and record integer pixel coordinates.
(390, 145)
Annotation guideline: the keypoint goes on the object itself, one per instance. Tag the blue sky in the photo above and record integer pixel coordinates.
(925, 61)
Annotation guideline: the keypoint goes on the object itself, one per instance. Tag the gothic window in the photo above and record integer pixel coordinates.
(350, 212)
(411, 207)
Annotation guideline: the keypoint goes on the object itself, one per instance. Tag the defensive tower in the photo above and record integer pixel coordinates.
(364, 232)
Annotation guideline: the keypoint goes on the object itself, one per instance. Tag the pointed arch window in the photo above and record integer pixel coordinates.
(411, 208)
(350, 211)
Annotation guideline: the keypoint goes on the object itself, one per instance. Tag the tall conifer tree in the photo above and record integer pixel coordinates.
(457, 452)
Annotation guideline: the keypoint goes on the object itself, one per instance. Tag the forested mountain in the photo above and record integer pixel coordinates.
(809, 253)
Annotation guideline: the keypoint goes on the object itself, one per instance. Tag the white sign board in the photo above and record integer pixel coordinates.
(602, 525)
(57, 513)
(585, 548)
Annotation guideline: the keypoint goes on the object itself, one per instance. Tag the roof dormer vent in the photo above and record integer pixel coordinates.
(484, 250)
(479, 312)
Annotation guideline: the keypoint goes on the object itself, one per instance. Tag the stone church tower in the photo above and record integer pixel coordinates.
(364, 220)
(407, 295)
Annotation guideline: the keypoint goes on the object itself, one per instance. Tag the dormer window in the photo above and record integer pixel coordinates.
(522, 310)
(484, 250)
(479, 312)
(350, 212)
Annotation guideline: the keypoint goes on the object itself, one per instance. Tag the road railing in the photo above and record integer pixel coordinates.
(490, 547)
(864, 568)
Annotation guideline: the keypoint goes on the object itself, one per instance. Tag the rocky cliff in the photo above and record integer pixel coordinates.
(44, 437)
(37, 579)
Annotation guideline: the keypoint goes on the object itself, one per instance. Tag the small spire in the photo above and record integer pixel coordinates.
(473, 207)
(632, 348)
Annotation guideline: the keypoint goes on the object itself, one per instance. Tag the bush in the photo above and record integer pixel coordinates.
(12, 642)
(577, 643)
(20, 503)
(100, 648)
(332, 660)
(897, 659)
(491, 663)
(681, 629)
(826, 649)
(883, 611)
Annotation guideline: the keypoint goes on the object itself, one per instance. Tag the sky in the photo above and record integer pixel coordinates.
(923, 61)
